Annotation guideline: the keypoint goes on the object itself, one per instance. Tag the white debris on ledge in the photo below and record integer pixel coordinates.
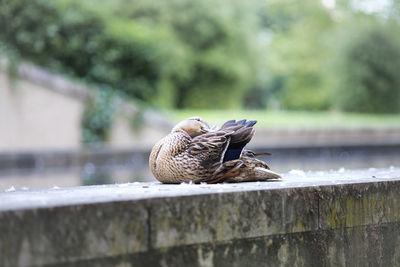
(11, 189)
(22, 199)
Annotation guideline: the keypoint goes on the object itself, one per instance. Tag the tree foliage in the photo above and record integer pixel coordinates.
(175, 53)
(368, 69)
(298, 52)
(98, 118)
(338, 57)
(84, 42)
(216, 54)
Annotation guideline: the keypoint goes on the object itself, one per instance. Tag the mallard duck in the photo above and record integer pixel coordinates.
(195, 152)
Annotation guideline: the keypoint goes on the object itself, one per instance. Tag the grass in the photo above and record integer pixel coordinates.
(293, 119)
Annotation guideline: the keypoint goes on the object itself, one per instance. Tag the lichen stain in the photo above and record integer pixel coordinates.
(166, 235)
(226, 252)
(205, 260)
(92, 238)
(335, 253)
(283, 253)
(332, 217)
(136, 233)
(364, 208)
(349, 212)
(113, 234)
(222, 225)
(265, 224)
(299, 225)
(198, 233)
(253, 249)
(25, 255)
(358, 211)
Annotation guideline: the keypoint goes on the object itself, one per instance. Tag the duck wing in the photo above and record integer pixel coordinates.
(251, 170)
(214, 142)
(243, 132)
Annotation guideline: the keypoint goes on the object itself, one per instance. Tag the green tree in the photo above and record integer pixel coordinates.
(176, 53)
(298, 52)
(216, 48)
(367, 69)
(86, 42)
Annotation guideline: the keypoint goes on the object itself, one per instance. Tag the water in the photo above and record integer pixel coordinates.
(326, 158)
(133, 167)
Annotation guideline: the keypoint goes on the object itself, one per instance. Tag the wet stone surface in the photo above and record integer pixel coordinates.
(332, 218)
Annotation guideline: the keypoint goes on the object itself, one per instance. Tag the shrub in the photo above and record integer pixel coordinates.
(98, 118)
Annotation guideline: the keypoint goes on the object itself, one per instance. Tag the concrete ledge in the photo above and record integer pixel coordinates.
(343, 218)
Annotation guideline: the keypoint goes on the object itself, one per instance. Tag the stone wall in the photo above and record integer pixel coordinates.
(33, 117)
(43, 111)
(308, 219)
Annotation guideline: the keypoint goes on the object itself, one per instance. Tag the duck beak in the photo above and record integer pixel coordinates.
(206, 129)
(203, 131)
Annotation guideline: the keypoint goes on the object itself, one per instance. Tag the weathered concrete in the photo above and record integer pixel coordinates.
(342, 218)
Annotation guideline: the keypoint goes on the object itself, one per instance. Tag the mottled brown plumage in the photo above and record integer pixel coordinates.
(194, 152)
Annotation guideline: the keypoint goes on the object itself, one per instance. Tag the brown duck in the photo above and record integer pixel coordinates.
(194, 152)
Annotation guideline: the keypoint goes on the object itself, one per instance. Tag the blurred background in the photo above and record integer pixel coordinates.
(87, 87)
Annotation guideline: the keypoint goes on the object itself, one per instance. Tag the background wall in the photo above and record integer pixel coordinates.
(35, 117)
(43, 111)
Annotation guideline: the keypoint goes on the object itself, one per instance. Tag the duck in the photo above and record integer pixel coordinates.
(195, 152)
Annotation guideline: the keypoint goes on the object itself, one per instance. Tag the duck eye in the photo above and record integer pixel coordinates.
(195, 119)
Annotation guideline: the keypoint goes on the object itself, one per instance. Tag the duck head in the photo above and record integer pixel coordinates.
(193, 126)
